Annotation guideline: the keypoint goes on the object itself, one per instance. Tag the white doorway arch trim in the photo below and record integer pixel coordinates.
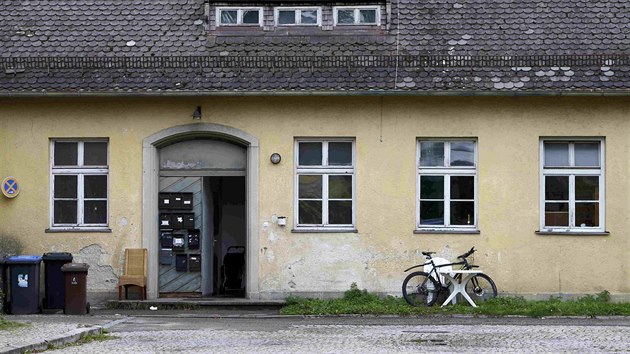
(150, 179)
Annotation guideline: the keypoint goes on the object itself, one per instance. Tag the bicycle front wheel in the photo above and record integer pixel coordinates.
(480, 288)
(419, 289)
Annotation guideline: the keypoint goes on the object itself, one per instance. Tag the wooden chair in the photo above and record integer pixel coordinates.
(135, 272)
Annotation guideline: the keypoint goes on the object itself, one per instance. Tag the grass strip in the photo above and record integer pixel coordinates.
(361, 302)
(7, 325)
(88, 338)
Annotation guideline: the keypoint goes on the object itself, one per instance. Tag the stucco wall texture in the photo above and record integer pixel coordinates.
(386, 129)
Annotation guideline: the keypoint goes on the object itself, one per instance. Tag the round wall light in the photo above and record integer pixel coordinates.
(275, 158)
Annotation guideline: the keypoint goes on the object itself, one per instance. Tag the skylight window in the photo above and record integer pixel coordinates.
(289, 16)
(349, 15)
(239, 16)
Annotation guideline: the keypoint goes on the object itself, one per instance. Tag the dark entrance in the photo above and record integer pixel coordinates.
(202, 224)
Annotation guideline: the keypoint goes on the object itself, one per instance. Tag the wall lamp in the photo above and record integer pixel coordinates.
(197, 113)
(275, 158)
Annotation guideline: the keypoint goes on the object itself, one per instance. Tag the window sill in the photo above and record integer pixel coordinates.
(447, 231)
(573, 233)
(78, 229)
(323, 231)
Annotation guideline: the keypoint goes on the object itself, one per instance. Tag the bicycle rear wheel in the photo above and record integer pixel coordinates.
(480, 288)
(419, 289)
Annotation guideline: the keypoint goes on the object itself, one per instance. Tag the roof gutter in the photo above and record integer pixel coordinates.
(40, 94)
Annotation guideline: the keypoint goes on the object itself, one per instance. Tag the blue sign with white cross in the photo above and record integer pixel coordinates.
(10, 187)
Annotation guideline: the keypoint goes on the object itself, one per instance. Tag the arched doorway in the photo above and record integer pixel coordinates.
(221, 144)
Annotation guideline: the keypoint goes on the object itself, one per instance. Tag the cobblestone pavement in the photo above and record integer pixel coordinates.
(360, 335)
(39, 328)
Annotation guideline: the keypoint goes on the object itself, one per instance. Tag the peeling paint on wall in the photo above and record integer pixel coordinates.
(101, 275)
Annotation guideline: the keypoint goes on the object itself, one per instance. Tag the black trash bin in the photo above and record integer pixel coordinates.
(54, 288)
(24, 284)
(75, 280)
(4, 280)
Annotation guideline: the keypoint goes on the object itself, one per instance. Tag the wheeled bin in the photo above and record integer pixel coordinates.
(24, 284)
(75, 280)
(54, 288)
(4, 280)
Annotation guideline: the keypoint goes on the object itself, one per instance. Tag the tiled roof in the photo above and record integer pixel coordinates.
(498, 46)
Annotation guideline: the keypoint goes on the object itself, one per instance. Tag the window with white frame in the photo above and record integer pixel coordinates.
(298, 16)
(572, 185)
(447, 184)
(325, 183)
(353, 15)
(239, 16)
(79, 183)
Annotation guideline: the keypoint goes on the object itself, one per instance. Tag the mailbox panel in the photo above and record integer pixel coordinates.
(181, 262)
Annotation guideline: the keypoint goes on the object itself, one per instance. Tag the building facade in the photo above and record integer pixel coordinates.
(331, 152)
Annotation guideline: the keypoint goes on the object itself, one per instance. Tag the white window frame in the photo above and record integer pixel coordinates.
(325, 171)
(80, 171)
(572, 171)
(239, 16)
(447, 171)
(298, 16)
(356, 15)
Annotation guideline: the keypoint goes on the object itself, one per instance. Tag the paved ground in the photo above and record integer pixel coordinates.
(195, 332)
(47, 328)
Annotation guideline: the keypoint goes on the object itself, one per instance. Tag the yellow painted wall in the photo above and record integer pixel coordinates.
(386, 129)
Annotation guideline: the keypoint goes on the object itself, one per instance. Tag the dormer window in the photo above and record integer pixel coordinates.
(302, 16)
(352, 15)
(239, 16)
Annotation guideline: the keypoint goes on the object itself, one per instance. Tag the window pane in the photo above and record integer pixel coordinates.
(345, 16)
(586, 187)
(228, 17)
(340, 187)
(65, 186)
(251, 16)
(431, 153)
(340, 212)
(310, 186)
(95, 186)
(556, 154)
(309, 17)
(310, 212)
(586, 154)
(95, 154)
(310, 154)
(556, 214)
(557, 187)
(462, 153)
(65, 211)
(462, 187)
(66, 154)
(462, 213)
(286, 17)
(95, 212)
(431, 213)
(340, 154)
(431, 187)
(367, 16)
(587, 214)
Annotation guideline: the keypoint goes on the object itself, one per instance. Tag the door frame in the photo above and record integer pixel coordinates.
(150, 189)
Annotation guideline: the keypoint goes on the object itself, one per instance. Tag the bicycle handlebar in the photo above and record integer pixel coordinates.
(465, 255)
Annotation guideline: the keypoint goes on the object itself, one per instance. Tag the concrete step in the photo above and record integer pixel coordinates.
(212, 304)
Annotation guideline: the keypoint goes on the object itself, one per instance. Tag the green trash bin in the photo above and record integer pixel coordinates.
(24, 284)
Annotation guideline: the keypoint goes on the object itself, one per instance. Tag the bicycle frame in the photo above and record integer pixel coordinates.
(464, 266)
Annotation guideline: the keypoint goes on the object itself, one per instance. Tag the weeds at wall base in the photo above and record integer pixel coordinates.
(361, 302)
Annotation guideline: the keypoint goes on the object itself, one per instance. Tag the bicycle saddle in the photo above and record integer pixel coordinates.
(427, 253)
